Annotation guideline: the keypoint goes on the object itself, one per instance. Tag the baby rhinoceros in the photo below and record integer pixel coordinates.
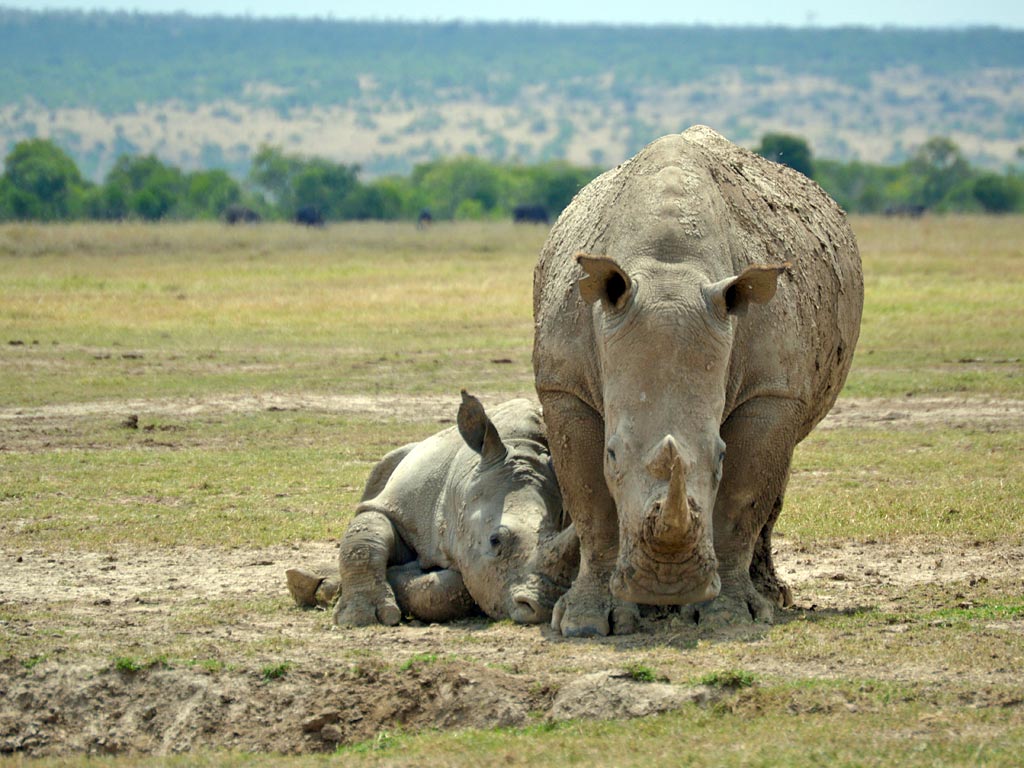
(471, 516)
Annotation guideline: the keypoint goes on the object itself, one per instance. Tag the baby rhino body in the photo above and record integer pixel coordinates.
(468, 518)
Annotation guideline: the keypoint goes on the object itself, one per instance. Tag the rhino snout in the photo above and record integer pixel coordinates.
(533, 602)
(527, 609)
(626, 587)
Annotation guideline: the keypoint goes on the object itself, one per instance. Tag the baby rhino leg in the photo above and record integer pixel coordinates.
(369, 544)
(433, 596)
(313, 586)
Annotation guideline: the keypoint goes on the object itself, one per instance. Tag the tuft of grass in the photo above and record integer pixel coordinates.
(276, 671)
(418, 659)
(729, 678)
(643, 673)
(127, 664)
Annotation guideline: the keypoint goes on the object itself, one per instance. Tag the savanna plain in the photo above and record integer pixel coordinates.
(186, 410)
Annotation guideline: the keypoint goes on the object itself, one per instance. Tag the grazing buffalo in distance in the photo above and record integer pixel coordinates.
(309, 215)
(913, 211)
(425, 219)
(240, 214)
(530, 214)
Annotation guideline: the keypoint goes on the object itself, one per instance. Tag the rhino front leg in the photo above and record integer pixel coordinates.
(759, 438)
(576, 440)
(369, 544)
(434, 596)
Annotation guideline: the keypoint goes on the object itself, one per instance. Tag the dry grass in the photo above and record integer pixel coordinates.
(182, 311)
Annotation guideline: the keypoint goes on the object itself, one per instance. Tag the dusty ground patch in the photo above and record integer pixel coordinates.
(160, 651)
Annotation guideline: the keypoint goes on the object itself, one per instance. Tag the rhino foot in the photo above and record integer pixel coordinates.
(592, 611)
(313, 587)
(733, 607)
(361, 609)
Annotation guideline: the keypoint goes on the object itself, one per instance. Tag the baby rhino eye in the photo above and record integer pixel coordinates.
(499, 539)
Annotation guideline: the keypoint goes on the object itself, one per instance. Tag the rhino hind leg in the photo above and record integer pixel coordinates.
(759, 437)
(366, 598)
(313, 586)
(762, 566)
(431, 596)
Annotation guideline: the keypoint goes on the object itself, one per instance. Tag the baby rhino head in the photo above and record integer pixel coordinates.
(515, 558)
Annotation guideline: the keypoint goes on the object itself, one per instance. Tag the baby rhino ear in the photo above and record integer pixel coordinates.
(478, 431)
(755, 285)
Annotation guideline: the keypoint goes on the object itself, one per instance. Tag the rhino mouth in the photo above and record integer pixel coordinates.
(627, 588)
(641, 577)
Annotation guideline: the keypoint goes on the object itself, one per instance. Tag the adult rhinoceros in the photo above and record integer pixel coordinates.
(470, 517)
(696, 312)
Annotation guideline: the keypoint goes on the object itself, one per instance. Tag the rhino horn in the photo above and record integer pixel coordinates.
(673, 514)
(478, 431)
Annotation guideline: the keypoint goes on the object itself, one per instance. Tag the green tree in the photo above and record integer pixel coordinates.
(936, 168)
(208, 193)
(447, 185)
(789, 150)
(41, 182)
(998, 194)
(552, 185)
(293, 181)
(143, 187)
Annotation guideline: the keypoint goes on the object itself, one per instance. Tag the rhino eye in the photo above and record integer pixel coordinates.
(499, 539)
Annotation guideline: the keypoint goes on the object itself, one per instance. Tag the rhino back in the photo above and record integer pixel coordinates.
(697, 197)
(800, 344)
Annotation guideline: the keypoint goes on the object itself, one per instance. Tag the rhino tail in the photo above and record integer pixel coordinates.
(381, 473)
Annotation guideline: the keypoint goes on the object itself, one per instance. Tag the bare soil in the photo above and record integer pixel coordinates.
(272, 677)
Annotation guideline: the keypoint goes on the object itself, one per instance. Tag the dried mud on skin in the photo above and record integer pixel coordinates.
(342, 687)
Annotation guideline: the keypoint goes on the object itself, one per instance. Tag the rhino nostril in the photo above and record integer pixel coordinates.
(527, 610)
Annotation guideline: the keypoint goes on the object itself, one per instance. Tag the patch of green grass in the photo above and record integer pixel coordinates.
(194, 309)
(942, 307)
(642, 673)
(418, 659)
(889, 483)
(728, 678)
(127, 664)
(246, 479)
(275, 671)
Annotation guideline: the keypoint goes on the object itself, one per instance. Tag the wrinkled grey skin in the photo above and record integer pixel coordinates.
(470, 517)
(696, 313)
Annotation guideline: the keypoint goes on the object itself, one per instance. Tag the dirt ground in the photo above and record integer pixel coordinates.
(339, 687)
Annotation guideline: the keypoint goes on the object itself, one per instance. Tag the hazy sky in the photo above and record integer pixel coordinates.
(917, 13)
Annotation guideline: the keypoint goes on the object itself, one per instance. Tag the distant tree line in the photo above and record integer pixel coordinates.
(937, 177)
(42, 183)
(69, 59)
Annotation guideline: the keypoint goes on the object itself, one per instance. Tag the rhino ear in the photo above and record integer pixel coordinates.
(604, 281)
(755, 285)
(478, 431)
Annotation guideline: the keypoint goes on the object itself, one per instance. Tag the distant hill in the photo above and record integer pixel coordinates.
(207, 92)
